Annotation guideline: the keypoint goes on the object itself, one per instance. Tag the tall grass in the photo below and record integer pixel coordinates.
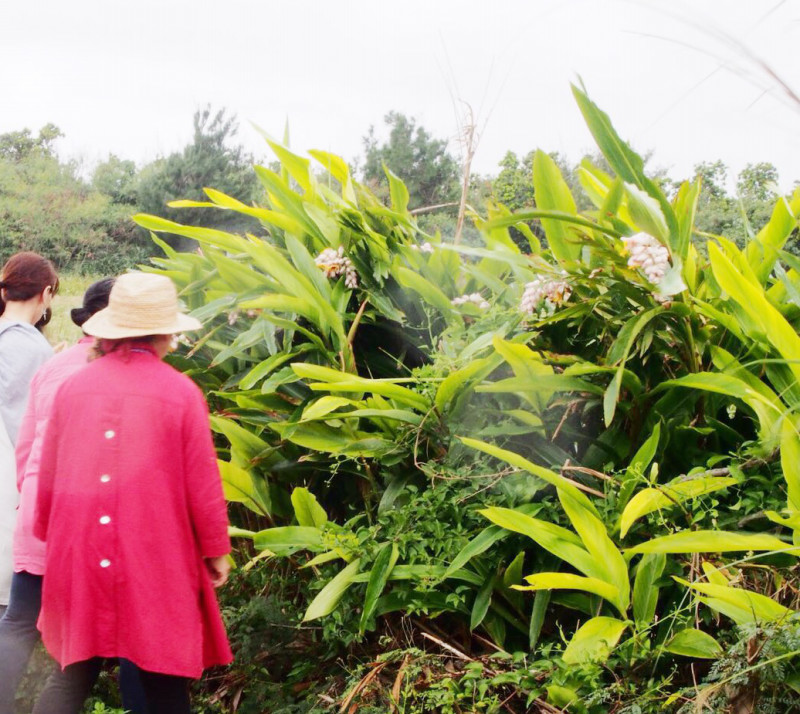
(70, 294)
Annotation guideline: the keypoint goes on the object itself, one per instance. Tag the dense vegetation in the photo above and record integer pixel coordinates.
(562, 476)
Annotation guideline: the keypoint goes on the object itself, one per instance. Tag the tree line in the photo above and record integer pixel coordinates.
(83, 222)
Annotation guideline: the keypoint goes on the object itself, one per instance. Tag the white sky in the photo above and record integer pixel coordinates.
(675, 75)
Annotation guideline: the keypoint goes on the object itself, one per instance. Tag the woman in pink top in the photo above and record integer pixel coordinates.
(18, 633)
(130, 503)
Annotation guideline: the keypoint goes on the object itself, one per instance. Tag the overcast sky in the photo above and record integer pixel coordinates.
(682, 78)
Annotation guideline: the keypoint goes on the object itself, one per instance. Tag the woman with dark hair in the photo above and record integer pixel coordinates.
(18, 633)
(130, 504)
(28, 283)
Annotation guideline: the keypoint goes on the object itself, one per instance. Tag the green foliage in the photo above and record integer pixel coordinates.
(422, 162)
(378, 394)
(210, 160)
(45, 206)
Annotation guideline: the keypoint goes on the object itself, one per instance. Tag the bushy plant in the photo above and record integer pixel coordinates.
(427, 431)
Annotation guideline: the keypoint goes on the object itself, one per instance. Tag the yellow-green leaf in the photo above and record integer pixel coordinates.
(594, 641)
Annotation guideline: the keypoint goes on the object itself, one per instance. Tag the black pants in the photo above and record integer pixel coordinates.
(18, 635)
(67, 690)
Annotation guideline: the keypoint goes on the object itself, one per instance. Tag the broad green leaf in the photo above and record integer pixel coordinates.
(540, 602)
(427, 574)
(645, 590)
(236, 274)
(425, 289)
(559, 541)
(307, 509)
(378, 577)
(569, 581)
(328, 598)
(769, 414)
(275, 218)
(669, 495)
(321, 437)
(323, 558)
(753, 301)
(245, 445)
(210, 236)
(238, 486)
(297, 166)
(790, 463)
(685, 204)
(377, 387)
(287, 539)
(595, 539)
(540, 389)
(323, 407)
(742, 606)
(346, 382)
(552, 193)
(456, 382)
(527, 216)
(513, 573)
(628, 165)
(711, 542)
(618, 353)
(694, 643)
(646, 212)
(480, 606)
(334, 164)
(646, 453)
(263, 369)
(380, 414)
(521, 462)
(479, 544)
(397, 191)
(715, 575)
(594, 640)
(762, 253)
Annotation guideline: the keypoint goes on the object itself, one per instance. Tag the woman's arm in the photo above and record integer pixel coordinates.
(27, 433)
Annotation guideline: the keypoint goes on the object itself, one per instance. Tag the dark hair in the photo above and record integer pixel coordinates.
(26, 275)
(94, 299)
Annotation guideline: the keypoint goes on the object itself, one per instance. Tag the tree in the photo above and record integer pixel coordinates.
(18, 145)
(45, 206)
(210, 160)
(714, 174)
(422, 162)
(116, 178)
(513, 186)
(757, 182)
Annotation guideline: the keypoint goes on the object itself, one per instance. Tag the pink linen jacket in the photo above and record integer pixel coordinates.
(130, 503)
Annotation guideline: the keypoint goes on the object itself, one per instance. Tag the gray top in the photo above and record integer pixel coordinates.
(23, 349)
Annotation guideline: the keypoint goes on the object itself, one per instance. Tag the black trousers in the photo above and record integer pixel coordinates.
(67, 690)
(18, 635)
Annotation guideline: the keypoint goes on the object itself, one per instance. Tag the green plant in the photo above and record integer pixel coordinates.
(621, 407)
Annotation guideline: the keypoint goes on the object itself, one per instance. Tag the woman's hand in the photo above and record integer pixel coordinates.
(218, 569)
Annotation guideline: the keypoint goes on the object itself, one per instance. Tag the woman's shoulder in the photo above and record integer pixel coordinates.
(22, 340)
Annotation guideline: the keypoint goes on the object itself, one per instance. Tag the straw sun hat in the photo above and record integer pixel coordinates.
(140, 304)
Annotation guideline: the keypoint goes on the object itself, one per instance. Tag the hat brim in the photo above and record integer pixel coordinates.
(101, 325)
